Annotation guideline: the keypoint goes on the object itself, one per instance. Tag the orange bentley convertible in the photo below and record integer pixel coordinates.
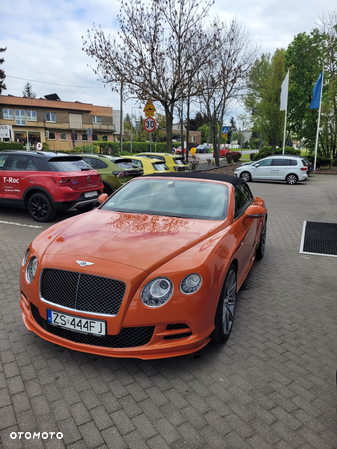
(153, 272)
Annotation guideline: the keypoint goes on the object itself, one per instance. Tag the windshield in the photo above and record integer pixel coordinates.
(171, 197)
(160, 166)
(62, 165)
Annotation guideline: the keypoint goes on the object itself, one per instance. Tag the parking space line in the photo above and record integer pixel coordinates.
(20, 224)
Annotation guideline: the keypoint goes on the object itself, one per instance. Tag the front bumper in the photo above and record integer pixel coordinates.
(143, 342)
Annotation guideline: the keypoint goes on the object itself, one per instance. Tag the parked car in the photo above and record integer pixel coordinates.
(203, 148)
(275, 168)
(113, 175)
(157, 279)
(174, 163)
(149, 165)
(178, 150)
(307, 163)
(222, 152)
(45, 183)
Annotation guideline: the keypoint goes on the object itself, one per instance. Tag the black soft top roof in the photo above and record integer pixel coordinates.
(201, 175)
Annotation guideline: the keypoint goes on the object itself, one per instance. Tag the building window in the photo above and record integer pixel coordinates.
(95, 137)
(104, 138)
(96, 119)
(51, 136)
(8, 114)
(84, 136)
(51, 117)
(20, 118)
(63, 136)
(31, 116)
(194, 139)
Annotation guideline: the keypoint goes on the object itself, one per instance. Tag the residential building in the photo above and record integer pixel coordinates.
(194, 136)
(61, 124)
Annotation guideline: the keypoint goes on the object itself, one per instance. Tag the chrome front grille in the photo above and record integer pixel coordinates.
(82, 292)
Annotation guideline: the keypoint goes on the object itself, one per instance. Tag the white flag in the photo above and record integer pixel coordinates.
(284, 93)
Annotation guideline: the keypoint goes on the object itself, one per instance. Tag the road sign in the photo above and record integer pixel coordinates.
(225, 129)
(149, 113)
(225, 135)
(149, 124)
(89, 132)
(149, 107)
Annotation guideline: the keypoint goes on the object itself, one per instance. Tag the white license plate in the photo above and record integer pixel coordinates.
(90, 194)
(76, 323)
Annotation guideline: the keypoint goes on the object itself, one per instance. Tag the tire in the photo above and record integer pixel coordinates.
(224, 316)
(262, 244)
(291, 179)
(40, 208)
(107, 188)
(246, 176)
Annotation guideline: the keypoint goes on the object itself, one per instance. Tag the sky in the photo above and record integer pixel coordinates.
(44, 40)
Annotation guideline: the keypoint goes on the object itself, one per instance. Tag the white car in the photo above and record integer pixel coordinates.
(274, 168)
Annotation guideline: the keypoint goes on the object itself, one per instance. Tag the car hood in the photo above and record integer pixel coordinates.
(141, 241)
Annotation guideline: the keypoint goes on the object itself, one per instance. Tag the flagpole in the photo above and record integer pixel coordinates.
(285, 126)
(318, 122)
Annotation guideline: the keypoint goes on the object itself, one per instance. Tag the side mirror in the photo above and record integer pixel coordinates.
(102, 198)
(254, 211)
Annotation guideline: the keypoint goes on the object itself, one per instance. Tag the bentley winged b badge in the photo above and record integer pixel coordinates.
(84, 263)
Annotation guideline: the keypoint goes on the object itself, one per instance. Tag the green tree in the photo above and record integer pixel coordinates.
(159, 134)
(28, 91)
(304, 60)
(2, 72)
(263, 98)
(328, 124)
(199, 120)
(204, 129)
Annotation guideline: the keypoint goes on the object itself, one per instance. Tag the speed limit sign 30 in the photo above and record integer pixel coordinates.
(149, 124)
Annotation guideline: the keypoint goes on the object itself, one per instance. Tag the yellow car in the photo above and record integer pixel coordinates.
(175, 163)
(149, 165)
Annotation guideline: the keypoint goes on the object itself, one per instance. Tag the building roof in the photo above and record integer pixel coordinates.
(11, 100)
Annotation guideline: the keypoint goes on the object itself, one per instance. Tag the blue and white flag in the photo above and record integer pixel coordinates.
(316, 96)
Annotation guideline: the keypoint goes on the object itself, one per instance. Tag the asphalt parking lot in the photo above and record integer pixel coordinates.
(273, 385)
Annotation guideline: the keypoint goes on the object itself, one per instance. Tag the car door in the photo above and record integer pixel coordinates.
(3, 177)
(261, 169)
(279, 167)
(245, 229)
(18, 176)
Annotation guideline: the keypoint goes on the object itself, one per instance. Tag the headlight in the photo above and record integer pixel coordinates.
(190, 284)
(157, 292)
(25, 257)
(31, 269)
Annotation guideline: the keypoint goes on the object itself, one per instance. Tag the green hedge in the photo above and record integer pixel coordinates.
(268, 151)
(11, 146)
(137, 147)
(321, 161)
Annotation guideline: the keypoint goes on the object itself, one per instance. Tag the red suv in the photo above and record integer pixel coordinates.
(45, 183)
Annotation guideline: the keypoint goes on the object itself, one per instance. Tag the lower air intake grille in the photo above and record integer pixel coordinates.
(129, 337)
(82, 292)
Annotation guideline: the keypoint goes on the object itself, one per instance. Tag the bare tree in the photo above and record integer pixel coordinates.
(157, 53)
(224, 79)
